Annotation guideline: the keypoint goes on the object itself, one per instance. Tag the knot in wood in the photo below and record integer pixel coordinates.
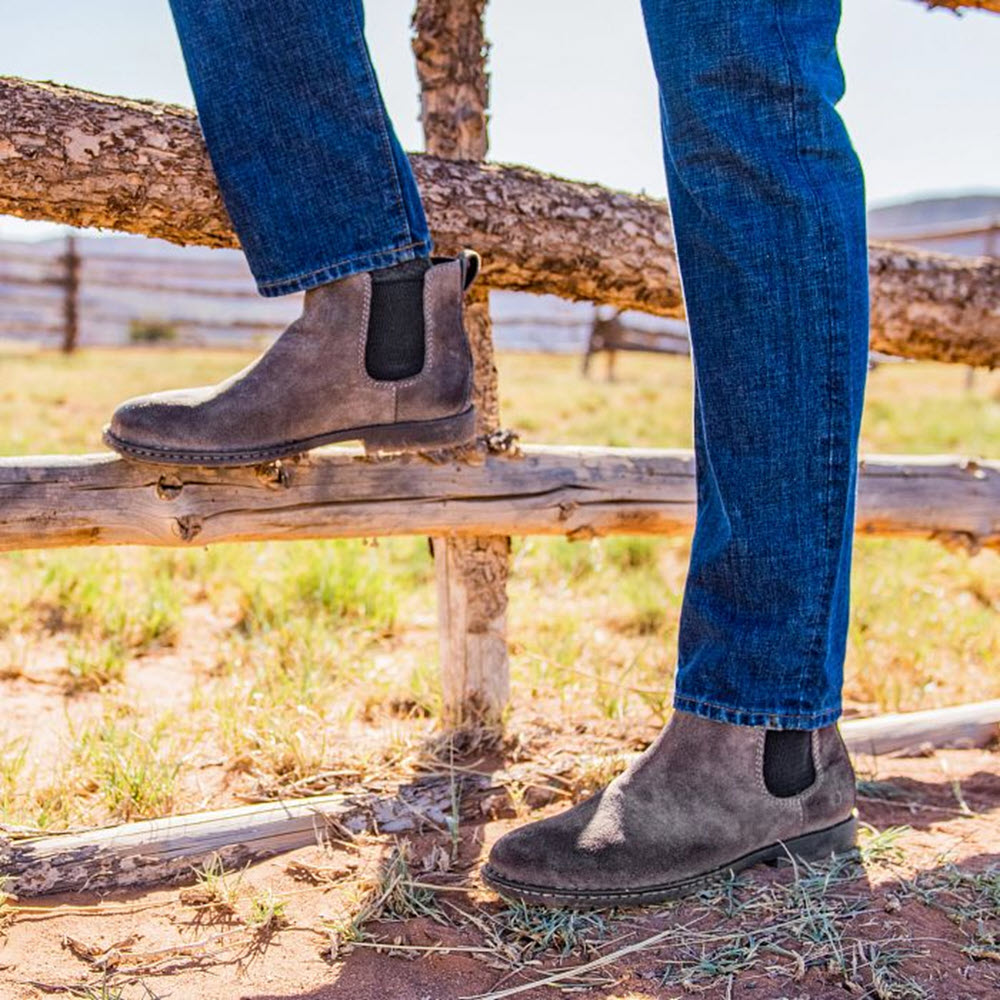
(566, 509)
(187, 527)
(959, 541)
(274, 475)
(169, 487)
(504, 441)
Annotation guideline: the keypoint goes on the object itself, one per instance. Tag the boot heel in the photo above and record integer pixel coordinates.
(422, 435)
(819, 846)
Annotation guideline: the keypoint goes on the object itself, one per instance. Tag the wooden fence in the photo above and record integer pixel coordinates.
(72, 292)
(87, 159)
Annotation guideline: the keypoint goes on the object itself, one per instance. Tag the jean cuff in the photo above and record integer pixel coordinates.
(337, 269)
(757, 717)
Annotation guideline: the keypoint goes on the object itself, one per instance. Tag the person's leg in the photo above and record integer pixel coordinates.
(314, 179)
(323, 200)
(767, 200)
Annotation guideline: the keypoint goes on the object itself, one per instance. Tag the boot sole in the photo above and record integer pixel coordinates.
(410, 435)
(817, 846)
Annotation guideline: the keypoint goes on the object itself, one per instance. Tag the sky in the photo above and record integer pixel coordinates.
(572, 85)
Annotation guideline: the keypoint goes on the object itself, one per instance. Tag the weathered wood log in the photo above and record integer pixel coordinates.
(450, 48)
(90, 160)
(52, 501)
(959, 5)
(167, 850)
(975, 725)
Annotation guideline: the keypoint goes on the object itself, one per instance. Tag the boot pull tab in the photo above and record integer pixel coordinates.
(470, 261)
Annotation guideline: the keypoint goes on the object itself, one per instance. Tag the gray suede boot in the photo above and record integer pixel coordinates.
(693, 807)
(312, 387)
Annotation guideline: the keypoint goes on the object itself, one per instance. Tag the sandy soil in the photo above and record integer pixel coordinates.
(949, 802)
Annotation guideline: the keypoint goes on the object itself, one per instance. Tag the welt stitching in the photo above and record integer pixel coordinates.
(619, 893)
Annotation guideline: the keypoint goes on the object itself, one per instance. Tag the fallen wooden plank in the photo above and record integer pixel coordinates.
(960, 726)
(54, 501)
(168, 850)
(87, 159)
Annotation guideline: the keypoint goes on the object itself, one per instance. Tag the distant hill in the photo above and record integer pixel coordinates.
(925, 223)
(886, 219)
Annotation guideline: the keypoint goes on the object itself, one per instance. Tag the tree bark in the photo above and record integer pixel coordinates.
(959, 5)
(50, 502)
(71, 296)
(450, 49)
(451, 52)
(90, 160)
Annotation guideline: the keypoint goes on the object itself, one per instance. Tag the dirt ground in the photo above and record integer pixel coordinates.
(920, 917)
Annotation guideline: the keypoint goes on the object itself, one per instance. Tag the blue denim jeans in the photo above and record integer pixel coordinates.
(312, 174)
(767, 200)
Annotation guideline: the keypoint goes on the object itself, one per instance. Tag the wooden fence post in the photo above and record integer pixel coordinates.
(450, 48)
(71, 294)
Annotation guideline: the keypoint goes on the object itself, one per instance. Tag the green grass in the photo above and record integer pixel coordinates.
(131, 771)
(344, 584)
(92, 667)
(324, 652)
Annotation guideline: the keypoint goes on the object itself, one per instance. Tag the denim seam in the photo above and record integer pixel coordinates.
(828, 583)
(699, 416)
(386, 144)
(729, 708)
(335, 270)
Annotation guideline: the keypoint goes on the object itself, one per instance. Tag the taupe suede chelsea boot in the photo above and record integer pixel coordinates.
(694, 806)
(312, 387)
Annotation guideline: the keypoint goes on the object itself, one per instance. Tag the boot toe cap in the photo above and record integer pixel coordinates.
(159, 421)
(547, 854)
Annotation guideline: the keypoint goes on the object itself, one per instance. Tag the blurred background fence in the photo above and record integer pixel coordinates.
(113, 291)
(80, 291)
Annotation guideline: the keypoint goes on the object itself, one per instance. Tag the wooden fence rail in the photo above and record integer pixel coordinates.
(90, 160)
(339, 493)
(959, 5)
